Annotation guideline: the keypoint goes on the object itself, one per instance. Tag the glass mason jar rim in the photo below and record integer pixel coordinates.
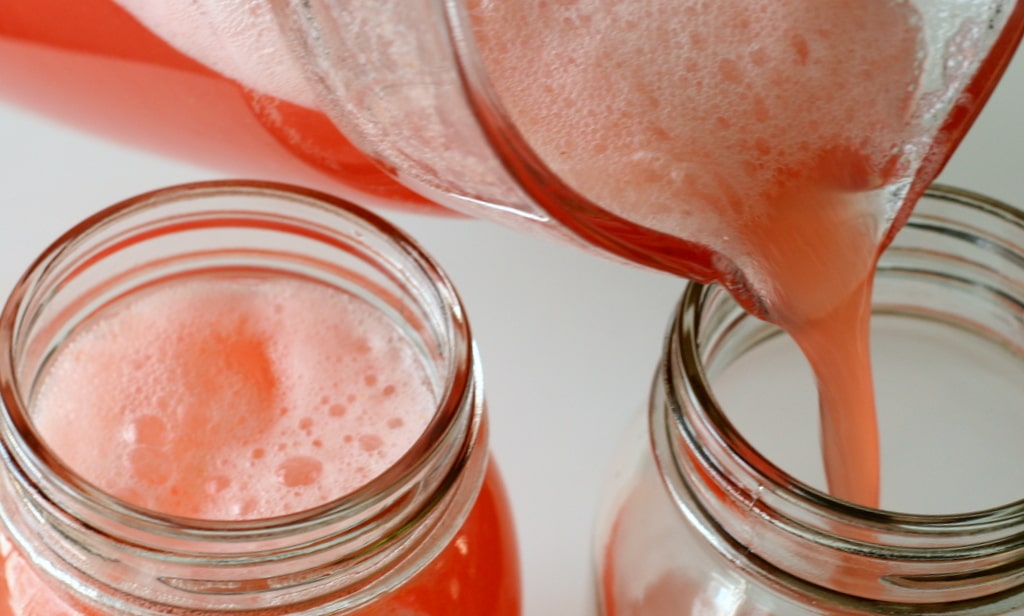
(461, 391)
(687, 327)
(703, 459)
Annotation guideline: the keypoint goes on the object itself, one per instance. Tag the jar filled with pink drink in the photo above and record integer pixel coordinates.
(245, 398)
(720, 505)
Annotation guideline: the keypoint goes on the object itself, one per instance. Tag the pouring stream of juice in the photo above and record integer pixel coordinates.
(788, 137)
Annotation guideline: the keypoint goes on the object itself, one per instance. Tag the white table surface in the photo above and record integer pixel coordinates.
(568, 340)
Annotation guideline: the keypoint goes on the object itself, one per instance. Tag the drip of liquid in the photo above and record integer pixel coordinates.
(772, 133)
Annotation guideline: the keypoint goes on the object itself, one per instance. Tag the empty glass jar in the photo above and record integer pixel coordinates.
(719, 510)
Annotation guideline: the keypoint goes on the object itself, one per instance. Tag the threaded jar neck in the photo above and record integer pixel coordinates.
(125, 559)
(958, 262)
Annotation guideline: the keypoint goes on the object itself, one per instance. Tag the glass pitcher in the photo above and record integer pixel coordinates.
(408, 105)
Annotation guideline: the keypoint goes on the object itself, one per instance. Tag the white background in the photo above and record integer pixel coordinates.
(568, 340)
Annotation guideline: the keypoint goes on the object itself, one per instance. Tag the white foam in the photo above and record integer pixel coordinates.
(687, 116)
(240, 40)
(249, 379)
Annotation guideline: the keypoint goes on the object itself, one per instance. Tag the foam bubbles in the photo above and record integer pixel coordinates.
(220, 398)
(237, 39)
(370, 443)
(299, 471)
(698, 119)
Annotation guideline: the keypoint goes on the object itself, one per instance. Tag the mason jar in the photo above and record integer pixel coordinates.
(718, 506)
(431, 533)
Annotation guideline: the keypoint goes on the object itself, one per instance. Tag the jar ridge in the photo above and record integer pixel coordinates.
(770, 539)
(331, 559)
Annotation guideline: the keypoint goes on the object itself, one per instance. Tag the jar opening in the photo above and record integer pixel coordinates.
(240, 232)
(953, 281)
(946, 352)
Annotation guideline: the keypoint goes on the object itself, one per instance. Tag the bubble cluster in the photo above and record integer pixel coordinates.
(699, 118)
(221, 399)
(763, 130)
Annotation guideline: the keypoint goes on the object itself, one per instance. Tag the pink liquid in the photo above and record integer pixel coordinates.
(771, 137)
(233, 399)
(93, 65)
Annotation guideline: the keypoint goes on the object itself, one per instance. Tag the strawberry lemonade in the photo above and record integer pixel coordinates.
(93, 64)
(779, 140)
(244, 394)
(777, 145)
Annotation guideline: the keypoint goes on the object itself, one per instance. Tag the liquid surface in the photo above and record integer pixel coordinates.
(235, 400)
(241, 398)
